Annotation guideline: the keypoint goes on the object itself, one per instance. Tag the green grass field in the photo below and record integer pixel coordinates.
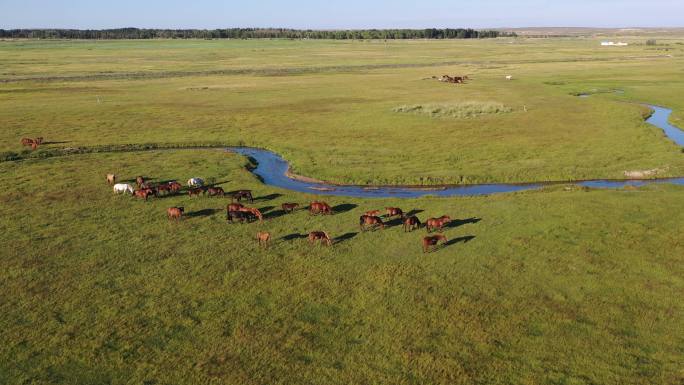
(565, 285)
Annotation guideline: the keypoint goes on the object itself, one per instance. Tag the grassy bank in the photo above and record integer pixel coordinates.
(533, 287)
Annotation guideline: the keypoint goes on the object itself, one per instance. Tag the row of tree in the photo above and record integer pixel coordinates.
(251, 33)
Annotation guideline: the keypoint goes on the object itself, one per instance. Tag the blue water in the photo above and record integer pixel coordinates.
(272, 169)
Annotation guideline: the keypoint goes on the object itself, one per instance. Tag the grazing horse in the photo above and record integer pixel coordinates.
(243, 194)
(289, 207)
(320, 208)
(215, 191)
(394, 212)
(242, 217)
(27, 142)
(122, 188)
(433, 241)
(195, 182)
(139, 180)
(175, 212)
(411, 223)
(320, 236)
(368, 220)
(234, 207)
(111, 178)
(437, 223)
(165, 188)
(194, 192)
(142, 193)
(263, 238)
(252, 211)
(174, 186)
(372, 213)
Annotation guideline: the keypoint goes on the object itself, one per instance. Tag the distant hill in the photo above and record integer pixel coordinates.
(585, 31)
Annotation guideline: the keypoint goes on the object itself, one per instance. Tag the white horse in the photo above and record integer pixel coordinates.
(195, 182)
(122, 188)
(509, 77)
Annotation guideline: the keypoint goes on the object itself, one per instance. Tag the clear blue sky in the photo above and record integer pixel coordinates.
(339, 14)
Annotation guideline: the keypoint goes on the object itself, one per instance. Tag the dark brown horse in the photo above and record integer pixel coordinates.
(38, 140)
(163, 188)
(252, 211)
(289, 207)
(175, 212)
(243, 194)
(320, 236)
(433, 240)
(195, 192)
(320, 208)
(437, 223)
(263, 238)
(394, 212)
(240, 216)
(411, 223)
(366, 221)
(214, 191)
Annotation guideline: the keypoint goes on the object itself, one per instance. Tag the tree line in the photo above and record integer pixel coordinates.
(252, 33)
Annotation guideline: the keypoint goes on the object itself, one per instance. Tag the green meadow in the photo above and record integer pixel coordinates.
(564, 285)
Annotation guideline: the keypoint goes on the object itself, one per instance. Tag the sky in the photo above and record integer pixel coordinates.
(334, 14)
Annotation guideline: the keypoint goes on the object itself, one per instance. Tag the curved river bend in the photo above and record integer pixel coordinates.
(273, 171)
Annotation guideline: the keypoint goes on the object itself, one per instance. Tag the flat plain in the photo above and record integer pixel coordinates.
(565, 285)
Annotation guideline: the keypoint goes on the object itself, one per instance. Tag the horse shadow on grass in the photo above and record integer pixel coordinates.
(268, 197)
(275, 214)
(413, 212)
(454, 241)
(292, 237)
(460, 222)
(202, 213)
(57, 142)
(343, 208)
(394, 222)
(344, 237)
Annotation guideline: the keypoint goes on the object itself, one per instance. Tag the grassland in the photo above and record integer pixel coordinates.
(534, 287)
(337, 124)
(559, 286)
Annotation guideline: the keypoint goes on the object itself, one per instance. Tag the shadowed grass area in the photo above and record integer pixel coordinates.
(531, 288)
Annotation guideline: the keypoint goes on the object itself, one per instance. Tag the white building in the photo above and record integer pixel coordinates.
(612, 43)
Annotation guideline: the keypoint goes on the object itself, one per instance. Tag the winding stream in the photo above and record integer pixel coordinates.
(273, 171)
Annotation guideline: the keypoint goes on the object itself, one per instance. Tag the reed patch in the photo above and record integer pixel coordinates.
(465, 110)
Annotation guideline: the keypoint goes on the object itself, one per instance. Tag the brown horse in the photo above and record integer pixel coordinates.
(215, 191)
(243, 194)
(163, 188)
(263, 238)
(289, 207)
(433, 241)
(394, 212)
(139, 180)
(437, 223)
(320, 208)
(411, 223)
(38, 140)
(234, 206)
(372, 213)
(111, 178)
(195, 192)
(366, 221)
(175, 212)
(28, 142)
(320, 236)
(175, 186)
(142, 193)
(252, 211)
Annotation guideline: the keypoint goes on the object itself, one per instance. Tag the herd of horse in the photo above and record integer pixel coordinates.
(238, 212)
